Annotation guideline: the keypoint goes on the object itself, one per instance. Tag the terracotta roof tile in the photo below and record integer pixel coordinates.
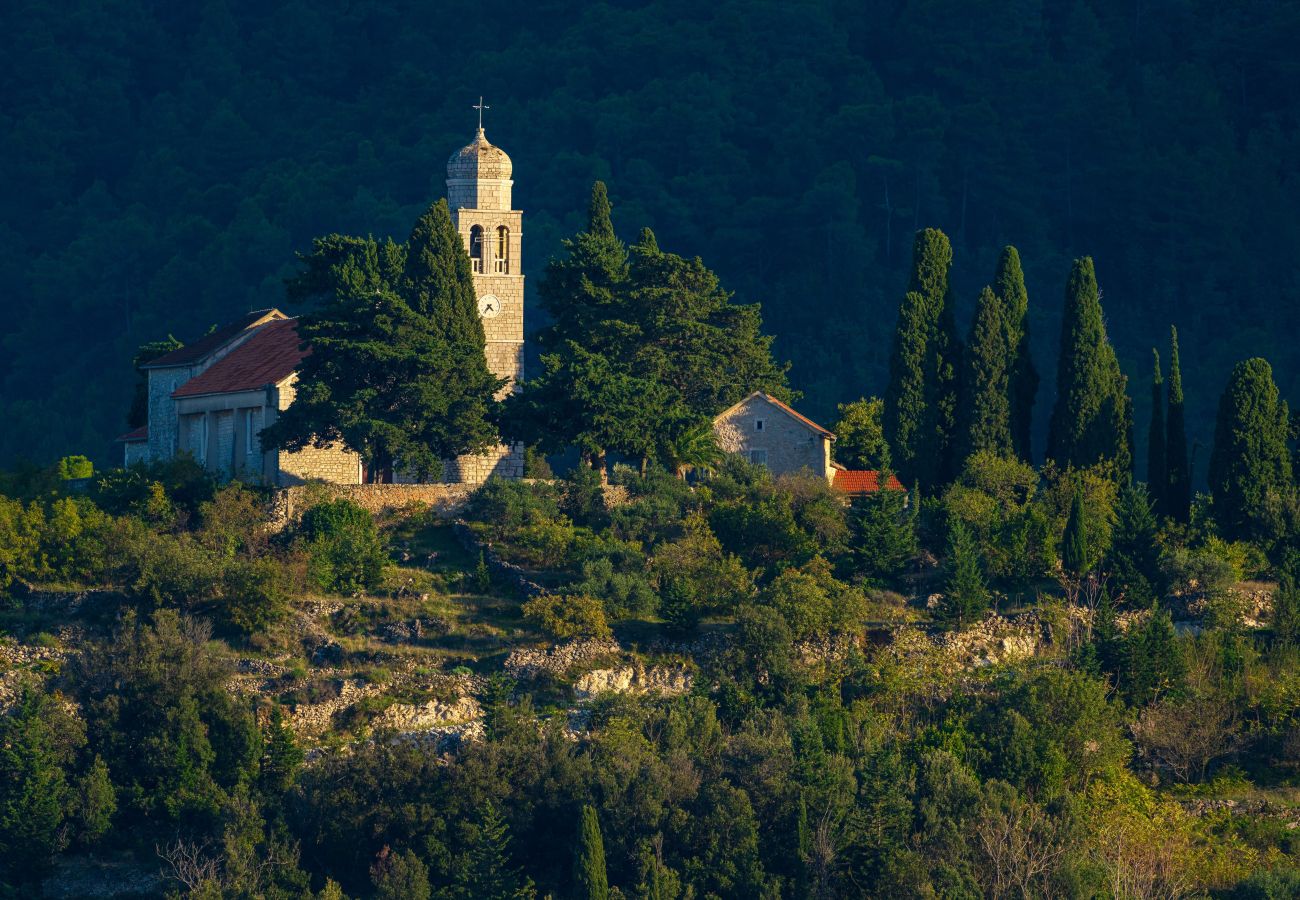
(268, 357)
(212, 342)
(863, 481)
(134, 436)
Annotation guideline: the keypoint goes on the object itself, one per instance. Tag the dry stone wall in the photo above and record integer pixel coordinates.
(445, 500)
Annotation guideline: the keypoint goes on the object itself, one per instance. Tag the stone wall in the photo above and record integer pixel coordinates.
(446, 500)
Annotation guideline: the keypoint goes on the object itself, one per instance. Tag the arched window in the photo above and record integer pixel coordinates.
(503, 250)
(476, 248)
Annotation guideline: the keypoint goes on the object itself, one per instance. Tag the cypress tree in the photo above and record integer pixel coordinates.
(986, 406)
(589, 866)
(965, 594)
(600, 223)
(1074, 544)
(924, 368)
(1177, 497)
(1092, 421)
(1250, 466)
(1157, 476)
(1009, 286)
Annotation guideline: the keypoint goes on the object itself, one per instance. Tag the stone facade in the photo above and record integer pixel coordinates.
(770, 433)
(334, 464)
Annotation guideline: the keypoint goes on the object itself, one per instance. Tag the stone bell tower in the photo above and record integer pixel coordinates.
(478, 194)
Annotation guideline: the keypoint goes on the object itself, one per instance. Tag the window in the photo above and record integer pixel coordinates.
(252, 425)
(503, 250)
(758, 457)
(476, 249)
(758, 424)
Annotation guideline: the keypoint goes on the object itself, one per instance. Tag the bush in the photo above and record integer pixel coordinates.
(568, 616)
(345, 551)
(543, 543)
(73, 467)
(622, 593)
(254, 595)
(510, 505)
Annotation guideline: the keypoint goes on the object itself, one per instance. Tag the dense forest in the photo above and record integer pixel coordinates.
(166, 162)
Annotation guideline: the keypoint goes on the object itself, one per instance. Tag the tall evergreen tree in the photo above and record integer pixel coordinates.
(1250, 466)
(487, 872)
(1092, 421)
(1286, 605)
(1074, 544)
(924, 368)
(589, 866)
(1177, 497)
(397, 371)
(965, 593)
(586, 287)
(1134, 555)
(1009, 286)
(986, 401)
(1157, 476)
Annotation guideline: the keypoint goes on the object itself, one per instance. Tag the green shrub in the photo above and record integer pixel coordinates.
(254, 595)
(510, 505)
(568, 616)
(544, 543)
(345, 551)
(72, 467)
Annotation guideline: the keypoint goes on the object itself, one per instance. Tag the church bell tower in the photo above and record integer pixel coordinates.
(478, 195)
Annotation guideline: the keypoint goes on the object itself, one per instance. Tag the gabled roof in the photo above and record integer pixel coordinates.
(798, 417)
(271, 355)
(211, 343)
(862, 481)
(134, 436)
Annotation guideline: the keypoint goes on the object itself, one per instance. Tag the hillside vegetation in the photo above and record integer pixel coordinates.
(737, 687)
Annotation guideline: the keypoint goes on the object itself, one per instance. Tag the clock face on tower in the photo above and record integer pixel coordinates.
(489, 307)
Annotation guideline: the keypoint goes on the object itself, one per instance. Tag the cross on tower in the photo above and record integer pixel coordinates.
(480, 107)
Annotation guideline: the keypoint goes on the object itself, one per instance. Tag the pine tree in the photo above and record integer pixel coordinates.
(986, 406)
(1250, 466)
(1092, 421)
(400, 876)
(587, 285)
(1154, 664)
(924, 368)
(1157, 476)
(486, 872)
(1009, 286)
(589, 866)
(1134, 557)
(1177, 496)
(965, 594)
(1074, 544)
(282, 757)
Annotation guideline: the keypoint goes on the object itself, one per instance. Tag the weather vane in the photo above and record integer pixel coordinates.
(480, 107)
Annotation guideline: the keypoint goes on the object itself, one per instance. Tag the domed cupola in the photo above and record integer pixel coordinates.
(478, 176)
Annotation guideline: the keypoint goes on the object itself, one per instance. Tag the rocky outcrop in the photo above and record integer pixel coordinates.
(412, 717)
(528, 663)
(994, 640)
(659, 680)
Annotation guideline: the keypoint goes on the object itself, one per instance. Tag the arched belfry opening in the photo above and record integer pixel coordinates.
(476, 249)
(501, 255)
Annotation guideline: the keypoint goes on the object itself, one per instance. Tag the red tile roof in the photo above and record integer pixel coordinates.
(863, 481)
(134, 436)
(268, 357)
(210, 343)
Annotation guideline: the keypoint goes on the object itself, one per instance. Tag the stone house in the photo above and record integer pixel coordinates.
(211, 398)
(770, 433)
